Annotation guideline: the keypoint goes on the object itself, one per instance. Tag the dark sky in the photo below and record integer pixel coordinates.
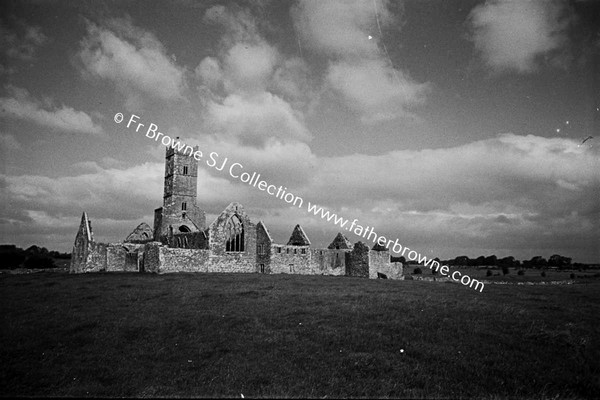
(455, 126)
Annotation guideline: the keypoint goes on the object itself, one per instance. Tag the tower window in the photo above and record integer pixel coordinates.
(183, 206)
(185, 170)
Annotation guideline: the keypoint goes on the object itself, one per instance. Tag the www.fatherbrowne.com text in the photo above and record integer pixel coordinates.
(237, 171)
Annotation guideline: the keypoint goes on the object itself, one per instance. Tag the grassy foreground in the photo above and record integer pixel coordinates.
(198, 335)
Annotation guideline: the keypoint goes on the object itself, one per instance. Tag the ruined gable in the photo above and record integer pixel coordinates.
(298, 237)
(81, 247)
(142, 234)
(340, 242)
(378, 247)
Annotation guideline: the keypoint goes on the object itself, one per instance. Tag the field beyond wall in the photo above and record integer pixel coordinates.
(199, 335)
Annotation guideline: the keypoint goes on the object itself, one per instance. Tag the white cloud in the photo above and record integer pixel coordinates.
(209, 72)
(524, 171)
(341, 28)
(243, 89)
(249, 67)
(66, 119)
(133, 59)
(375, 89)
(257, 118)
(360, 69)
(512, 35)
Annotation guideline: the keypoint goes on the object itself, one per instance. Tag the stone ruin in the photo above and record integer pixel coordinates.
(181, 242)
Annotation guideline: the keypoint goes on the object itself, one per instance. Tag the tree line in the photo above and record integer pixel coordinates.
(536, 262)
(12, 257)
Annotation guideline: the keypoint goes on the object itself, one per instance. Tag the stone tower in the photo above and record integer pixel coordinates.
(179, 211)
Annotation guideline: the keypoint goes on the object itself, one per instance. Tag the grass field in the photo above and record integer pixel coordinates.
(198, 335)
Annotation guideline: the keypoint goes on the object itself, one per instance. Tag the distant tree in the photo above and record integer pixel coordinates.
(505, 270)
(461, 261)
(488, 273)
(39, 261)
(433, 270)
(59, 255)
(36, 250)
(572, 275)
(543, 274)
(11, 256)
(398, 259)
(417, 271)
(12, 260)
(521, 272)
(480, 261)
(538, 262)
(559, 261)
(491, 260)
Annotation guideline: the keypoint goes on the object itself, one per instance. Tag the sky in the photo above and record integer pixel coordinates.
(457, 127)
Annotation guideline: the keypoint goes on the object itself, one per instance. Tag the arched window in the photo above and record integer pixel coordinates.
(184, 228)
(234, 231)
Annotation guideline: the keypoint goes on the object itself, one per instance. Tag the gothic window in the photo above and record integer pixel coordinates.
(303, 251)
(234, 231)
(184, 206)
(185, 170)
(279, 249)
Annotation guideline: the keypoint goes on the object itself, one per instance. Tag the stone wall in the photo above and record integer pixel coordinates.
(152, 257)
(357, 261)
(123, 257)
(232, 262)
(95, 259)
(329, 261)
(180, 260)
(291, 259)
(379, 263)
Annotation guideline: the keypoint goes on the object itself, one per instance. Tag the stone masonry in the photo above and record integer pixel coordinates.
(181, 242)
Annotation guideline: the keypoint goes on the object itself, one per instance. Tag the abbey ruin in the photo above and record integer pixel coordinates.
(182, 242)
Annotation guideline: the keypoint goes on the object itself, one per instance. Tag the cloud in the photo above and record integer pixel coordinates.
(8, 143)
(341, 28)
(249, 67)
(349, 34)
(65, 119)
(376, 90)
(22, 42)
(243, 88)
(512, 35)
(137, 190)
(511, 195)
(133, 59)
(523, 171)
(257, 118)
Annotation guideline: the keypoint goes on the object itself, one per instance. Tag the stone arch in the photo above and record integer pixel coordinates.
(234, 234)
(184, 228)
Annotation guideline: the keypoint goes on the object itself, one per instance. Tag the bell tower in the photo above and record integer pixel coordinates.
(179, 210)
